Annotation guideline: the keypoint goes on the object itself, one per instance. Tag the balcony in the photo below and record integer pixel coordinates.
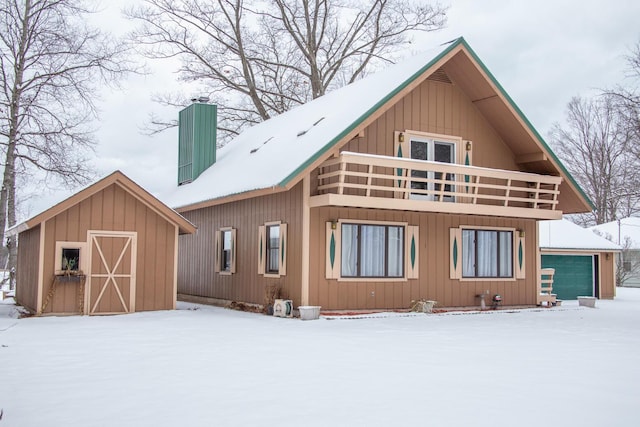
(382, 182)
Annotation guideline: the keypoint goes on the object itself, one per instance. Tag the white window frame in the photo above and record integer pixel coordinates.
(220, 268)
(282, 250)
(512, 278)
(403, 278)
(81, 246)
(431, 140)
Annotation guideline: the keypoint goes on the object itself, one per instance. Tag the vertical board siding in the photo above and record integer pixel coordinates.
(27, 268)
(433, 107)
(114, 209)
(196, 275)
(607, 275)
(433, 257)
(441, 108)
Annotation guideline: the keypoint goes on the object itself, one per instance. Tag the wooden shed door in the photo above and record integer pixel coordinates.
(112, 276)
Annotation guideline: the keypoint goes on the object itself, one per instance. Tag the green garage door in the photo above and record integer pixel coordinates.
(573, 277)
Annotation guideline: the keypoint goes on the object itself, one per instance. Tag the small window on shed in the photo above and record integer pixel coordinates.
(626, 266)
(70, 259)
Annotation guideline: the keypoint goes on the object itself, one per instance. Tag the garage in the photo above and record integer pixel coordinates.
(574, 275)
(111, 248)
(583, 261)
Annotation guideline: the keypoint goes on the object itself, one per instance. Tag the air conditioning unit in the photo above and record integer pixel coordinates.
(283, 308)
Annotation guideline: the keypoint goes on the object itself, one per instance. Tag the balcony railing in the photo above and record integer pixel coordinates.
(355, 179)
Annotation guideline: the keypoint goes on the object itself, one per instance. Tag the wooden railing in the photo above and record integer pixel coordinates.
(355, 174)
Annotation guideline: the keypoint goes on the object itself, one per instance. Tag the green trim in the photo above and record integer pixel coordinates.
(399, 170)
(282, 251)
(527, 122)
(454, 44)
(455, 253)
(332, 249)
(368, 113)
(413, 252)
(520, 254)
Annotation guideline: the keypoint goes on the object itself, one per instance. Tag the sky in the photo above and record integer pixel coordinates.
(543, 53)
(564, 366)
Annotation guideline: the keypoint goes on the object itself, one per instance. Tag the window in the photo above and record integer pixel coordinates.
(487, 253)
(273, 249)
(439, 151)
(70, 256)
(372, 250)
(226, 250)
(70, 259)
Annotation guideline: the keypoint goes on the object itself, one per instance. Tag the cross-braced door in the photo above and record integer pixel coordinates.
(112, 275)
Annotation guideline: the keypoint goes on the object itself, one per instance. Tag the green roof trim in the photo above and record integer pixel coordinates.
(527, 122)
(452, 45)
(369, 112)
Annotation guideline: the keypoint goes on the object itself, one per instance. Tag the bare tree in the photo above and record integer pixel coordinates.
(259, 58)
(51, 64)
(595, 145)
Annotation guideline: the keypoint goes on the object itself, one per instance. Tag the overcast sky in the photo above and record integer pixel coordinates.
(542, 53)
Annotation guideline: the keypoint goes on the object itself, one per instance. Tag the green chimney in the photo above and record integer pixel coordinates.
(196, 140)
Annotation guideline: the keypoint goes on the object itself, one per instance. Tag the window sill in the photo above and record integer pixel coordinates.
(489, 279)
(272, 275)
(373, 279)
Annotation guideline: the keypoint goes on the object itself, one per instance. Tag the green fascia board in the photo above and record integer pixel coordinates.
(455, 43)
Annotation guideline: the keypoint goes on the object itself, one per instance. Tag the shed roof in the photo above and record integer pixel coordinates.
(276, 154)
(626, 229)
(121, 180)
(564, 234)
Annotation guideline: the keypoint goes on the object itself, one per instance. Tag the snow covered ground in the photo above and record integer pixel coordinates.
(207, 366)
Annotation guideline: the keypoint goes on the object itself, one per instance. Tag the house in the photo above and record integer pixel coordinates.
(626, 233)
(110, 248)
(584, 262)
(423, 181)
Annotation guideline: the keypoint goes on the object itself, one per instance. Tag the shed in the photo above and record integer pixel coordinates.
(110, 248)
(584, 262)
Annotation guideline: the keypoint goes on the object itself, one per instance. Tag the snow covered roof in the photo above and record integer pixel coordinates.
(564, 234)
(627, 228)
(114, 178)
(273, 154)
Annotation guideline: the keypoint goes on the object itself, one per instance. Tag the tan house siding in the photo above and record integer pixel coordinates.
(114, 209)
(434, 282)
(439, 108)
(196, 275)
(27, 268)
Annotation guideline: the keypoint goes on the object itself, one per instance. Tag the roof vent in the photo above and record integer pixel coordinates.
(439, 76)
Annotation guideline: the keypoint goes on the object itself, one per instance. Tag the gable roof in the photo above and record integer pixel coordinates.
(564, 234)
(624, 229)
(121, 180)
(274, 155)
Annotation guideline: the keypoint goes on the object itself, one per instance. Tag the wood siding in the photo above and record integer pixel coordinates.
(196, 267)
(434, 282)
(438, 108)
(607, 275)
(114, 209)
(27, 268)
